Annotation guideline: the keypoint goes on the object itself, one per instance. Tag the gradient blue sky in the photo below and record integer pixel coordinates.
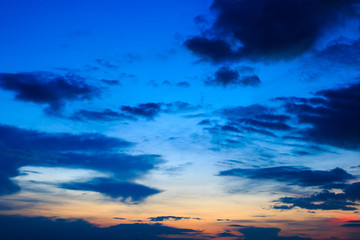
(226, 119)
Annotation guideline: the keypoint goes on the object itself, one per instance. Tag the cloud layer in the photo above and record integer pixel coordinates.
(41, 228)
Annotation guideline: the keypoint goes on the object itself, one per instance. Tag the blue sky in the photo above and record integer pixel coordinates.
(226, 119)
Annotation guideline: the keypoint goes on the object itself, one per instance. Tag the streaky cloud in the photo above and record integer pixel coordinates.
(147, 111)
(334, 116)
(292, 175)
(21, 147)
(127, 191)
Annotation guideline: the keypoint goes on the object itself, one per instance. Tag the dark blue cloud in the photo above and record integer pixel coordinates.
(20, 147)
(132, 113)
(256, 119)
(146, 110)
(166, 218)
(127, 191)
(330, 117)
(41, 228)
(222, 220)
(18, 138)
(352, 224)
(183, 84)
(214, 49)
(48, 88)
(270, 125)
(226, 234)
(268, 29)
(333, 114)
(292, 175)
(111, 82)
(225, 76)
(256, 233)
(325, 200)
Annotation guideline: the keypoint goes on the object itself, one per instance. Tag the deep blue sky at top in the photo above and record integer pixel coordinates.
(33, 29)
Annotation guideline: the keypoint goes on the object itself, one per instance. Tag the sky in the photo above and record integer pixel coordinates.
(205, 119)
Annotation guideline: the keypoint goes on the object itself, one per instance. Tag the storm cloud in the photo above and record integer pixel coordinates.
(267, 29)
(334, 116)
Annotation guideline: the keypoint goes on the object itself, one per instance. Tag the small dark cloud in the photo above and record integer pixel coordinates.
(127, 191)
(357, 166)
(352, 224)
(267, 29)
(183, 84)
(256, 233)
(111, 82)
(146, 110)
(225, 76)
(292, 175)
(236, 225)
(222, 220)
(166, 218)
(205, 122)
(48, 88)
(229, 128)
(119, 218)
(226, 234)
(325, 200)
(166, 83)
(41, 228)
